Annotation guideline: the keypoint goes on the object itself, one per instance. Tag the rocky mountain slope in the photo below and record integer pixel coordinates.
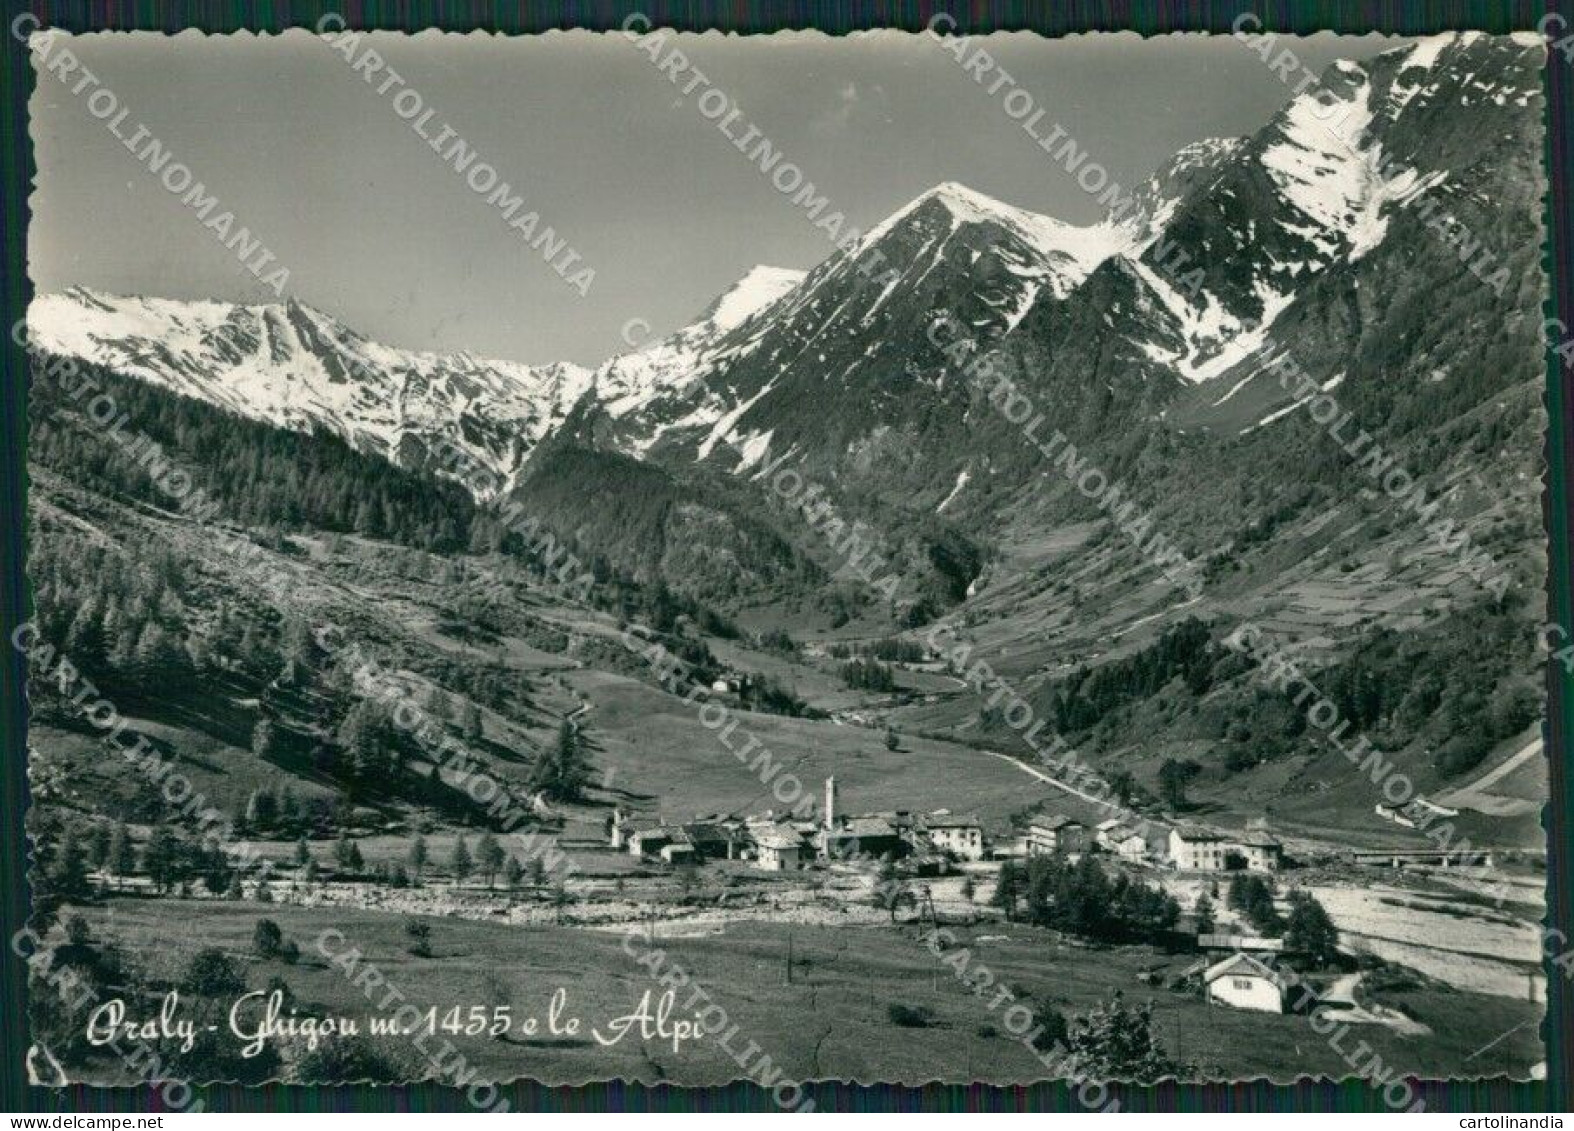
(1384, 226)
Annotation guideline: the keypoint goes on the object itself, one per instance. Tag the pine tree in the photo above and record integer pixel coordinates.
(1009, 885)
(68, 873)
(1310, 931)
(418, 857)
(298, 650)
(562, 772)
(122, 855)
(161, 857)
(461, 863)
(1202, 914)
(513, 874)
(199, 653)
(1235, 898)
(267, 938)
(95, 846)
(343, 848)
(1174, 776)
(365, 739)
(84, 642)
(890, 890)
(157, 659)
(490, 855)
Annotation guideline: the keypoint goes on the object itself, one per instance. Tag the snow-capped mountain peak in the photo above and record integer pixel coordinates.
(294, 366)
(1073, 252)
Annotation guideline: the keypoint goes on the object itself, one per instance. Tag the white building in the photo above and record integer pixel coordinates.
(1197, 850)
(961, 835)
(1124, 841)
(777, 852)
(1244, 982)
(1262, 852)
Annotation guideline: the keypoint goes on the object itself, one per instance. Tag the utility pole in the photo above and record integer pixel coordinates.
(789, 958)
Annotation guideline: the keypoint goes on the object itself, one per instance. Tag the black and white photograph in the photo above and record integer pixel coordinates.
(895, 557)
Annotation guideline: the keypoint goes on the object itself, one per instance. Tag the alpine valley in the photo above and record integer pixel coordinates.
(1041, 471)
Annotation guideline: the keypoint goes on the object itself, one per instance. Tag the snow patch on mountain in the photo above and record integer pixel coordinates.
(751, 294)
(1211, 339)
(1320, 164)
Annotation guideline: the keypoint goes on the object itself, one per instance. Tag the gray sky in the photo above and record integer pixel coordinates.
(378, 231)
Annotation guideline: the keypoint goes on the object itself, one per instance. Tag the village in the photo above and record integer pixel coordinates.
(1239, 970)
(1235, 949)
(930, 843)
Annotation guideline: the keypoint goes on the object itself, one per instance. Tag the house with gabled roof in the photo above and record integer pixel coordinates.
(963, 836)
(1262, 851)
(1049, 835)
(778, 851)
(873, 835)
(1244, 982)
(1194, 849)
(1124, 841)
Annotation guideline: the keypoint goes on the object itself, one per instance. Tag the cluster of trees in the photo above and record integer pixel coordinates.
(64, 854)
(1174, 776)
(171, 860)
(261, 475)
(1448, 684)
(562, 771)
(58, 1021)
(1252, 896)
(776, 640)
(278, 811)
(868, 675)
(1114, 1040)
(367, 745)
(491, 684)
(1118, 1041)
(1185, 651)
(486, 859)
(1082, 899)
(67, 855)
(120, 612)
(770, 696)
(1308, 928)
(891, 649)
